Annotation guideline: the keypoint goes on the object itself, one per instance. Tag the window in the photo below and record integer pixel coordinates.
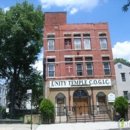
(50, 42)
(106, 66)
(125, 93)
(68, 59)
(120, 66)
(79, 69)
(51, 68)
(67, 44)
(87, 43)
(77, 41)
(123, 77)
(103, 43)
(89, 66)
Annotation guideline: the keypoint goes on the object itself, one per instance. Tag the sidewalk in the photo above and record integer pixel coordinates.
(80, 126)
(18, 126)
(65, 126)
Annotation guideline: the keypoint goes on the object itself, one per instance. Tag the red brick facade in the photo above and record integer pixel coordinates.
(59, 30)
(79, 53)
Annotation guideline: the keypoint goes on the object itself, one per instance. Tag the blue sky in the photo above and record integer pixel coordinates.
(91, 11)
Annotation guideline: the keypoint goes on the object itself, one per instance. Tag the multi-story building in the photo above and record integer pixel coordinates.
(122, 71)
(3, 92)
(78, 64)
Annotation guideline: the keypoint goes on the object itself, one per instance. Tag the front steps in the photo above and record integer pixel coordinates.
(89, 118)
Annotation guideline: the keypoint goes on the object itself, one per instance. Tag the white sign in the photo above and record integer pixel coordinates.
(111, 97)
(29, 91)
(7, 110)
(80, 83)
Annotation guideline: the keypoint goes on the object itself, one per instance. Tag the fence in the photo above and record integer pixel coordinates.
(82, 113)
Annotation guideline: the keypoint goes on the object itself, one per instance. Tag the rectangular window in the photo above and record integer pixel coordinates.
(123, 77)
(51, 68)
(79, 69)
(67, 44)
(125, 93)
(87, 44)
(106, 66)
(120, 66)
(103, 43)
(51, 42)
(68, 59)
(77, 41)
(89, 66)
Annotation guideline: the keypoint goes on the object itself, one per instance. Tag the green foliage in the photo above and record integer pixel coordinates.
(121, 105)
(21, 39)
(122, 61)
(47, 109)
(28, 121)
(126, 6)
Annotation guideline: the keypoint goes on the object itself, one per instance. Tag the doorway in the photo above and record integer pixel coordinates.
(101, 103)
(80, 102)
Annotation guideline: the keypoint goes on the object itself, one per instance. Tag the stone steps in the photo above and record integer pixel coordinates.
(89, 118)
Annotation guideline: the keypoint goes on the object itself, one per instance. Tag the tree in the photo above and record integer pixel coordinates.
(33, 81)
(47, 110)
(21, 30)
(126, 6)
(121, 105)
(122, 61)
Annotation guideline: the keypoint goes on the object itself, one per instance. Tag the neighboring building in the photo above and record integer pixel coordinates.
(123, 79)
(78, 64)
(3, 92)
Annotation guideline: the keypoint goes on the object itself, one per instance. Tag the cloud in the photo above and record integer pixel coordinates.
(39, 65)
(72, 5)
(73, 11)
(122, 50)
(6, 9)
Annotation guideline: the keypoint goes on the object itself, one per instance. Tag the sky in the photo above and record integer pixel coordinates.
(90, 11)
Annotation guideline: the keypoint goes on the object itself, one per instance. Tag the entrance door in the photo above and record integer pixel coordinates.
(80, 102)
(80, 106)
(102, 104)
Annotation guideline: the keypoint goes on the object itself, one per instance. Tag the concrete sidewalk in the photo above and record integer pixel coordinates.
(65, 126)
(81, 126)
(17, 127)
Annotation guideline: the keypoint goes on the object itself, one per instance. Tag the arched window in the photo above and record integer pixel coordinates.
(60, 104)
(79, 94)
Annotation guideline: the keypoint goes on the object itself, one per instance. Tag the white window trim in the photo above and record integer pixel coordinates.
(103, 44)
(88, 44)
(89, 69)
(78, 44)
(107, 68)
(77, 71)
(53, 45)
(124, 77)
(49, 71)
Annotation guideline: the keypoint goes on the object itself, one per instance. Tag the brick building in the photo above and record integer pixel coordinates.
(78, 64)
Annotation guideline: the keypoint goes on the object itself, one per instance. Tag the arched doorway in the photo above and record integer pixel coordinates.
(80, 102)
(60, 104)
(101, 103)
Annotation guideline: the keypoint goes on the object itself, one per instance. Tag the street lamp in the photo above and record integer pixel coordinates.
(29, 91)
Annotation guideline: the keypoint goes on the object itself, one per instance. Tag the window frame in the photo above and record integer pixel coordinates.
(51, 70)
(81, 70)
(87, 46)
(79, 45)
(49, 46)
(123, 79)
(126, 95)
(89, 69)
(106, 69)
(102, 44)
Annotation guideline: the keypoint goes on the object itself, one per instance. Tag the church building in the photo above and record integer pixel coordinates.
(78, 65)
